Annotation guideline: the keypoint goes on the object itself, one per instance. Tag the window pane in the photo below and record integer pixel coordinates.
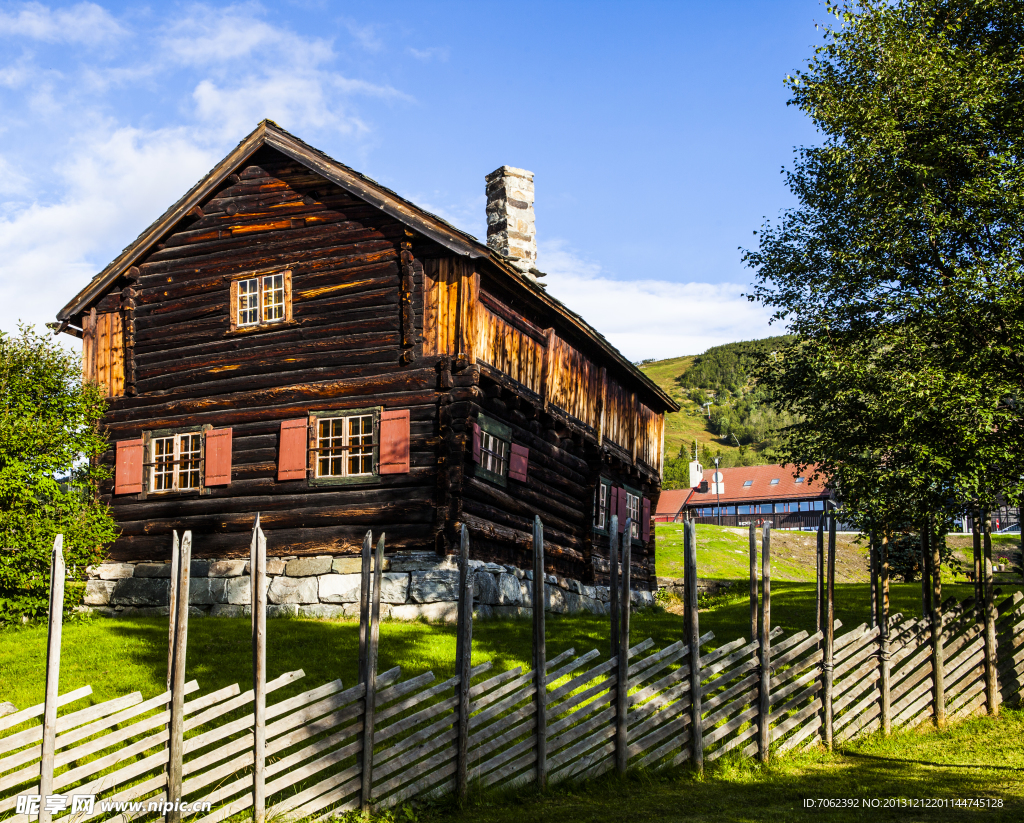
(248, 302)
(273, 297)
(163, 460)
(360, 444)
(189, 457)
(493, 453)
(331, 447)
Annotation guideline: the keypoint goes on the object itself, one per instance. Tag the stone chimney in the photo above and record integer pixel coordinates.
(510, 224)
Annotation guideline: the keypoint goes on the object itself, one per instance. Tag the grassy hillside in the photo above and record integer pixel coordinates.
(690, 422)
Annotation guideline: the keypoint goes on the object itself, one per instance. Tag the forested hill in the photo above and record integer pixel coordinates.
(718, 382)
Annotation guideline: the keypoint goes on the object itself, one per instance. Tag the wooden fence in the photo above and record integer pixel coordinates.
(386, 739)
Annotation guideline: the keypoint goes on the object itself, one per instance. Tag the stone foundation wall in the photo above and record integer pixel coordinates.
(413, 585)
(675, 585)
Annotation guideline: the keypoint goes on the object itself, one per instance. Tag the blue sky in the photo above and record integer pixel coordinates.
(656, 131)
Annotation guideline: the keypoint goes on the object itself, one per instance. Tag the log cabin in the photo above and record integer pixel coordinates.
(295, 339)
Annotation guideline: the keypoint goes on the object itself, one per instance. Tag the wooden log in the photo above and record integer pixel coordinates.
(463, 664)
(764, 706)
(992, 696)
(540, 653)
(937, 618)
(177, 722)
(693, 638)
(53, 636)
(613, 586)
(365, 794)
(829, 628)
(884, 665)
(622, 680)
(258, 590)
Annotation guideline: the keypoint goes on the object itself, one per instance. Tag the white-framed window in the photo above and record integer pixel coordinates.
(345, 445)
(493, 453)
(601, 495)
(260, 299)
(633, 511)
(175, 462)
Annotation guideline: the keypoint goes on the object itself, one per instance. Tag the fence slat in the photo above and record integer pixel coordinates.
(19, 717)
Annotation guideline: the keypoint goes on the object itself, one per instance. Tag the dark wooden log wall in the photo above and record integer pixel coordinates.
(356, 288)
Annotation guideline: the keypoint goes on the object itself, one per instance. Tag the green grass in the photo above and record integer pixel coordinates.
(980, 758)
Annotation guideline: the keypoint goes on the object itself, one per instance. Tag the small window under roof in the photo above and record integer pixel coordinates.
(748, 482)
(799, 480)
(774, 482)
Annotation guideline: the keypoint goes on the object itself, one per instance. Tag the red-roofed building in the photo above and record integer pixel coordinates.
(761, 494)
(670, 505)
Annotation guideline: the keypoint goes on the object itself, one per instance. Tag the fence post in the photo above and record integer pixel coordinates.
(926, 574)
(753, 584)
(693, 639)
(622, 681)
(829, 627)
(53, 634)
(463, 663)
(819, 575)
(764, 709)
(258, 601)
(370, 695)
(883, 634)
(991, 683)
(364, 602)
(938, 661)
(172, 604)
(177, 732)
(540, 662)
(613, 583)
(979, 590)
(873, 564)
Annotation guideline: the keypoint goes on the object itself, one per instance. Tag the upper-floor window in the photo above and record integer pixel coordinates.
(261, 300)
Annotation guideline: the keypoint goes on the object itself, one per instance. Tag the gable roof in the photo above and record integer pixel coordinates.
(761, 487)
(268, 133)
(671, 501)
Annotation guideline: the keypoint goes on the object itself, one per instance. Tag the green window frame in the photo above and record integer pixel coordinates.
(635, 530)
(341, 452)
(495, 451)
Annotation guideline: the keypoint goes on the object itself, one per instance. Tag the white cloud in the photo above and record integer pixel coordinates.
(432, 53)
(651, 318)
(84, 23)
(365, 36)
(116, 185)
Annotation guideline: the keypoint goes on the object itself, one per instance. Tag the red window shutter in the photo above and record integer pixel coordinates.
(218, 457)
(291, 461)
(476, 442)
(394, 441)
(128, 467)
(645, 525)
(623, 510)
(518, 463)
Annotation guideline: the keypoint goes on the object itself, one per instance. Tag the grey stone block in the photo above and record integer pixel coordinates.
(224, 610)
(572, 585)
(485, 588)
(339, 588)
(140, 591)
(509, 593)
(111, 571)
(288, 590)
(512, 612)
(551, 579)
(154, 611)
(285, 610)
(483, 612)
(394, 587)
(519, 573)
(591, 605)
(97, 592)
(433, 587)
(347, 565)
(528, 574)
(492, 568)
(308, 566)
(153, 570)
(276, 566)
(199, 568)
(442, 612)
(556, 601)
(322, 611)
(205, 591)
(228, 568)
(415, 562)
(604, 594)
(526, 592)
(573, 602)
